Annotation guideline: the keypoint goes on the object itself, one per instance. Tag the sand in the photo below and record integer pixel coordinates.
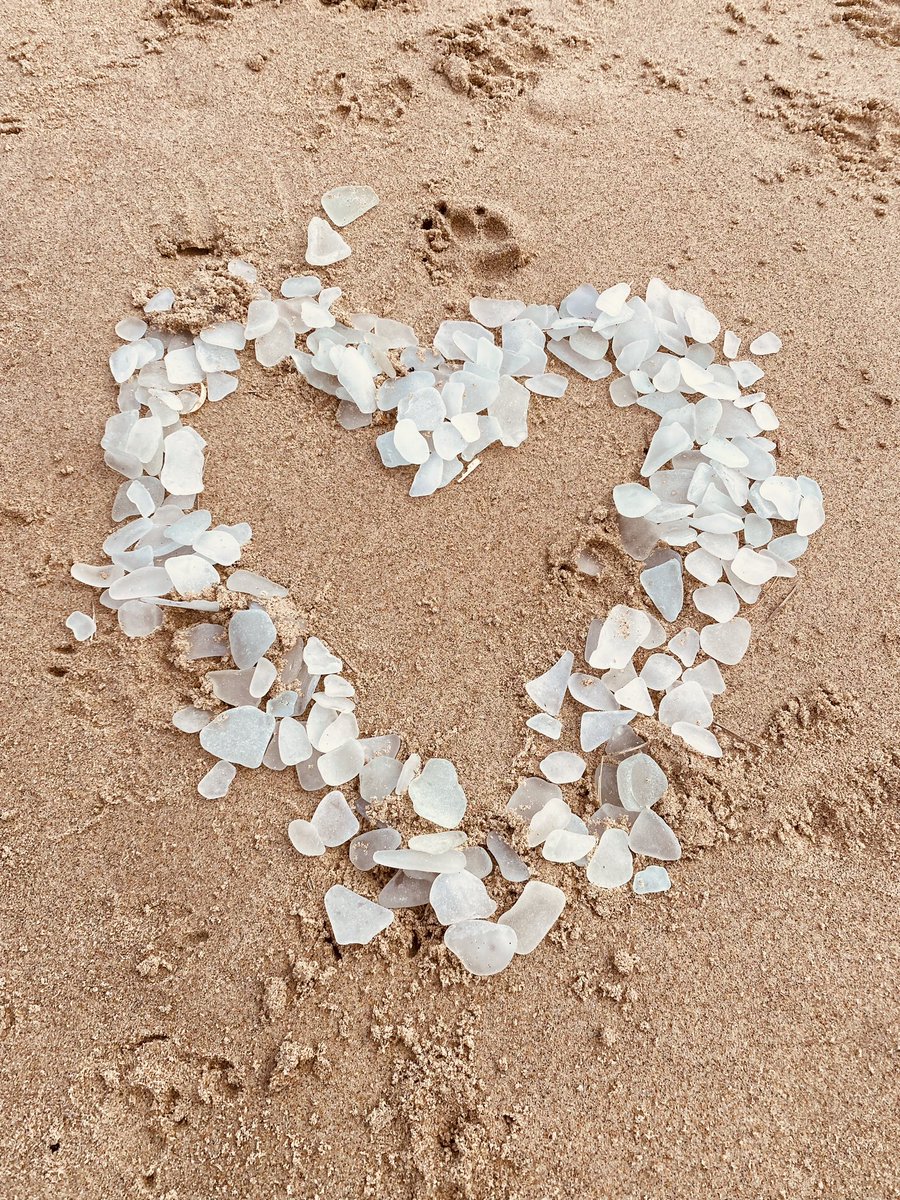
(174, 1020)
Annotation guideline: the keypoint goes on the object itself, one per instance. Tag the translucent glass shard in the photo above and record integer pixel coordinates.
(482, 947)
(460, 896)
(548, 690)
(334, 820)
(650, 880)
(436, 794)
(324, 245)
(239, 736)
(534, 914)
(354, 919)
(611, 864)
(651, 837)
(345, 204)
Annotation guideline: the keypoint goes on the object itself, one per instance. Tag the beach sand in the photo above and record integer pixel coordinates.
(174, 1020)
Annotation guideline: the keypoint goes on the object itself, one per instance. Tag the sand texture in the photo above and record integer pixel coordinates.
(175, 1022)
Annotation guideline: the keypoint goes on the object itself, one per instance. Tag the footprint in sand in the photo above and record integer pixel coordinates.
(469, 240)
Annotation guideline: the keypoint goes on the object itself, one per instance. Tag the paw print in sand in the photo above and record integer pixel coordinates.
(469, 240)
(496, 57)
(873, 20)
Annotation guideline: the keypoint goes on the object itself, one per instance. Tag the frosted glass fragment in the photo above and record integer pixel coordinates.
(293, 742)
(334, 820)
(191, 574)
(652, 837)
(592, 692)
(190, 719)
(319, 660)
(650, 880)
(640, 782)
(704, 741)
(478, 861)
(611, 864)
(619, 637)
(534, 914)
(379, 778)
(555, 814)
(754, 567)
(623, 742)
(562, 767)
(635, 695)
(663, 582)
(766, 343)
(565, 846)
(634, 500)
(685, 645)
(726, 642)
(405, 891)
(550, 727)
(438, 843)
(345, 204)
(719, 601)
(363, 847)
(493, 313)
(512, 867)
(421, 860)
(354, 919)
(304, 838)
(339, 766)
(138, 619)
(436, 794)
(162, 301)
(250, 634)
(81, 625)
(460, 896)
(660, 671)
(240, 735)
(599, 727)
(531, 795)
(324, 245)
(482, 947)
(708, 676)
(215, 783)
(686, 702)
(548, 690)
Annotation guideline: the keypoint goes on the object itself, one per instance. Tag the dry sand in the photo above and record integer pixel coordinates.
(174, 1021)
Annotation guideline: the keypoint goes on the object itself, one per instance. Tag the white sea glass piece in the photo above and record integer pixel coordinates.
(650, 880)
(354, 919)
(240, 735)
(348, 202)
(215, 783)
(324, 245)
(436, 794)
(640, 782)
(652, 837)
(251, 632)
(334, 820)
(726, 642)
(482, 947)
(619, 637)
(363, 847)
(703, 741)
(611, 865)
(562, 767)
(460, 896)
(567, 845)
(511, 865)
(81, 626)
(548, 690)
(534, 914)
